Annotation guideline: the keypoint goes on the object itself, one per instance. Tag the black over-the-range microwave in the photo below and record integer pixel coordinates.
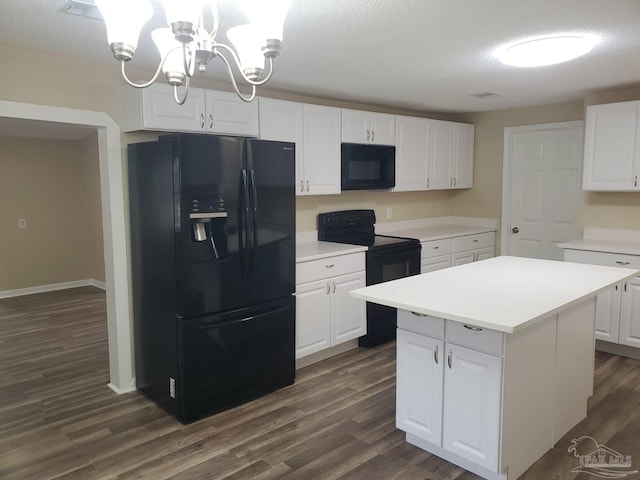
(368, 167)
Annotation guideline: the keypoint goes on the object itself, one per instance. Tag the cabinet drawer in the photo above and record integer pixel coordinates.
(602, 258)
(471, 242)
(329, 267)
(418, 323)
(490, 341)
(435, 248)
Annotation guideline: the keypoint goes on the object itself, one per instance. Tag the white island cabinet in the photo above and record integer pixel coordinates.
(495, 357)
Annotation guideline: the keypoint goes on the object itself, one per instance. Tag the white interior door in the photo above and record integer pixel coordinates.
(541, 189)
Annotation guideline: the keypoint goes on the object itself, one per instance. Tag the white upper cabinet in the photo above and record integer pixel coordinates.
(228, 115)
(368, 127)
(462, 163)
(204, 111)
(412, 154)
(283, 121)
(321, 151)
(451, 155)
(315, 130)
(612, 147)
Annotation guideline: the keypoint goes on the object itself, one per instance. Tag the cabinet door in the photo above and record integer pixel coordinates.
(611, 150)
(321, 150)
(383, 128)
(412, 144)
(419, 383)
(463, 155)
(472, 398)
(227, 114)
(161, 112)
(441, 155)
(355, 126)
(461, 258)
(608, 314)
(348, 314)
(484, 253)
(435, 263)
(630, 313)
(313, 312)
(283, 121)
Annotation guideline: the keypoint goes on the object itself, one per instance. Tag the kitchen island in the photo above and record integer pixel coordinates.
(494, 358)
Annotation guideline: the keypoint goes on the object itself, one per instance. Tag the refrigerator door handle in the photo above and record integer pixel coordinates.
(254, 223)
(243, 232)
(235, 321)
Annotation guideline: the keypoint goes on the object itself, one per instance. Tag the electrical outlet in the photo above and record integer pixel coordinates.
(389, 213)
(22, 223)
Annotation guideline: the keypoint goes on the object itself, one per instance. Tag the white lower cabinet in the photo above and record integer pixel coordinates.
(472, 248)
(326, 315)
(450, 396)
(617, 309)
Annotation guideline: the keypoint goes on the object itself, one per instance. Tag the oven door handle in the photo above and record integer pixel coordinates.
(395, 251)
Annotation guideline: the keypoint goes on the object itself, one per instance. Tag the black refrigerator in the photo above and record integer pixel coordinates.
(213, 269)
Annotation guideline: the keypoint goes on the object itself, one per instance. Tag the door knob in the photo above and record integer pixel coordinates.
(515, 229)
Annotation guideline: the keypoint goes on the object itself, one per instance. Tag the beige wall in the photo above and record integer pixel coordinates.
(54, 185)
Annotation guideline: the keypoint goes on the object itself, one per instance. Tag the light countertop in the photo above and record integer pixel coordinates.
(315, 250)
(501, 293)
(597, 245)
(437, 232)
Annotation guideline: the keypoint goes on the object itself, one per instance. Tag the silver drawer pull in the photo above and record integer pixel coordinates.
(620, 262)
(435, 354)
(435, 248)
(419, 314)
(475, 329)
(449, 359)
(331, 265)
(476, 241)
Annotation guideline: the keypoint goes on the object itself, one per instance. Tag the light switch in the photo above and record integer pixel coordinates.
(22, 223)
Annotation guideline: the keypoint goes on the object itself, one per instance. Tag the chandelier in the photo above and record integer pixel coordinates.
(186, 44)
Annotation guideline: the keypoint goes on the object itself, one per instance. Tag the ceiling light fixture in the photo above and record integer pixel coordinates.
(186, 44)
(546, 51)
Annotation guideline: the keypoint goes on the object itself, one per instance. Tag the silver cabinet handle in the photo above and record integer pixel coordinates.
(202, 121)
(328, 288)
(368, 135)
(419, 314)
(451, 181)
(470, 327)
(210, 121)
(625, 286)
(455, 181)
(616, 288)
(635, 181)
(436, 248)
(307, 185)
(620, 262)
(475, 256)
(515, 230)
(435, 354)
(331, 265)
(373, 135)
(334, 287)
(428, 183)
(302, 185)
(449, 359)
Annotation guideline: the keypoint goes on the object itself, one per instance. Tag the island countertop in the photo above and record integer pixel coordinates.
(501, 293)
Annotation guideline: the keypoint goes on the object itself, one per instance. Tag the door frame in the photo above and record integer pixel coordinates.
(113, 225)
(505, 224)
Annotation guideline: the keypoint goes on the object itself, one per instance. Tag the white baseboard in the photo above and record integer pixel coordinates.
(19, 292)
(119, 391)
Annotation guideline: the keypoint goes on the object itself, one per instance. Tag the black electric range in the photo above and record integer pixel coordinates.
(387, 258)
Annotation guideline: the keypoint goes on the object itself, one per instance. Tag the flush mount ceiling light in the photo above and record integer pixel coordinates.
(546, 51)
(186, 43)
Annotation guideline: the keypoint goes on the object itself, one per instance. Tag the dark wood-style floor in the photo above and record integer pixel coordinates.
(59, 420)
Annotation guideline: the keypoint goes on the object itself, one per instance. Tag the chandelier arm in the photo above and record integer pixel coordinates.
(186, 92)
(235, 85)
(188, 61)
(140, 85)
(237, 63)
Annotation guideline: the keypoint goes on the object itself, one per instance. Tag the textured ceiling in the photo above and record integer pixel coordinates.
(425, 55)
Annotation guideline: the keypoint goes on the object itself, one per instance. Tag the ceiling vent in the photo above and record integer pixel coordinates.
(485, 95)
(82, 9)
